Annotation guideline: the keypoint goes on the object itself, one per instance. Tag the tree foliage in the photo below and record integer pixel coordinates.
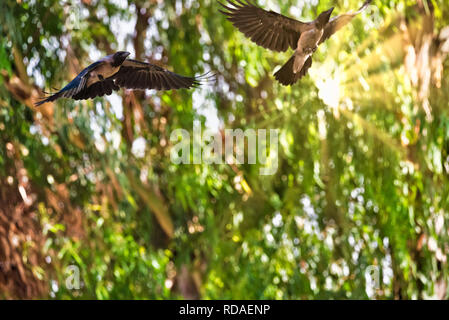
(363, 162)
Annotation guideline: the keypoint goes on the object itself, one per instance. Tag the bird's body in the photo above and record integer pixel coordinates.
(102, 72)
(115, 71)
(309, 40)
(276, 32)
(307, 44)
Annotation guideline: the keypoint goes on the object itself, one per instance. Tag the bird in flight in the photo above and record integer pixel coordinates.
(276, 32)
(115, 71)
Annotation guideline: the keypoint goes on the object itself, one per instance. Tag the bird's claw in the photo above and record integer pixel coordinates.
(310, 51)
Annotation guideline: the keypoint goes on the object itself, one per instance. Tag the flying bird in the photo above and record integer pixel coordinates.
(116, 71)
(276, 32)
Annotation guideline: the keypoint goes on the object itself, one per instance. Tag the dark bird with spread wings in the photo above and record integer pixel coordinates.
(116, 71)
(277, 32)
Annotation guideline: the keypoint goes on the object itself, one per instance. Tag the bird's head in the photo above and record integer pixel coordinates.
(323, 18)
(119, 57)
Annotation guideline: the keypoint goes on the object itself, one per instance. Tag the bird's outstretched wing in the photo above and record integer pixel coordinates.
(340, 21)
(141, 75)
(97, 89)
(268, 29)
(74, 88)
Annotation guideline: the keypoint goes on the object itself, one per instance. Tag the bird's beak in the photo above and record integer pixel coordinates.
(324, 17)
(125, 55)
(328, 12)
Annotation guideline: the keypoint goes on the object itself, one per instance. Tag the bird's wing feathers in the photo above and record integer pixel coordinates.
(97, 89)
(74, 87)
(266, 28)
(141, 75)
(83, 76)
(340, 21)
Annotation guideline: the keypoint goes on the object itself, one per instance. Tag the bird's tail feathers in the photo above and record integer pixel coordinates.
(287, 77)
(298, 62)
(49, 98)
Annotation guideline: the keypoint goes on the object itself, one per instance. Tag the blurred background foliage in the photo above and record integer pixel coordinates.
(362, 180)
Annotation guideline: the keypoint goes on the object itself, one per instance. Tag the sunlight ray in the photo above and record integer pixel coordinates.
(374, 131)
